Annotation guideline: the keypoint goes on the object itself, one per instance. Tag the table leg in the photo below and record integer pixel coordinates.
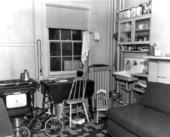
(90, 107)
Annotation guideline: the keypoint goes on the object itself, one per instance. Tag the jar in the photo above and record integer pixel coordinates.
(128, 13)
(120, 14)
(138, 11)
(144, 8)
(147, 25)
(125, 13)
(133, 12)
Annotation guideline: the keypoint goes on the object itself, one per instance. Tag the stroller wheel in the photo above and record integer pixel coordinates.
(35, 124)
(24, 132)
(53, 127)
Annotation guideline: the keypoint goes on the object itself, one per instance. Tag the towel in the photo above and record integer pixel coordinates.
(85, 47)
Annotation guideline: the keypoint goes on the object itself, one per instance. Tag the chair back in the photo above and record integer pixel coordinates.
(78, 88)
(101, 99)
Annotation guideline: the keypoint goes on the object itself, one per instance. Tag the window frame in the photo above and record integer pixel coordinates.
(63, 73)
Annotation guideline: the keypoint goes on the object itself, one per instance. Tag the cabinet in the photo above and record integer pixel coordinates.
(134, 30)
(159, 69)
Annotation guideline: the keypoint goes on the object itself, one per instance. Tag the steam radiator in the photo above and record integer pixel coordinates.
(101, 77)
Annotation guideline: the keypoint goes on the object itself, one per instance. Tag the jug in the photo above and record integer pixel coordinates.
(25, 75)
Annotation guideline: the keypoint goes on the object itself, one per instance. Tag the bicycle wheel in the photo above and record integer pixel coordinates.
(35, 124)
(24, 132)
(53, 127)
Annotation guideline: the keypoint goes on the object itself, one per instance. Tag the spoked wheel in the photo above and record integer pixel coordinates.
(53, 127)
(24, 132)
(35, 124)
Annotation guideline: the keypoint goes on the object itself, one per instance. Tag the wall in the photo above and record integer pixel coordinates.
(99, 23)
(21, 25)
(16, 39)
(160, 31)
(17, 44)
(133, 3)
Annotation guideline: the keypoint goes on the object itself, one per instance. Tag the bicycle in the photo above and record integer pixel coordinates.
(44, 121)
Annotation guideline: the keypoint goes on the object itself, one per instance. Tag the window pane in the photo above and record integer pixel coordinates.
(55, 64)
(65, 34)
(77, 48)
(55, 49)
(77, 35)
(77, 58)
(67, 63)
(54, 34)
(77, 65)
(66, 49)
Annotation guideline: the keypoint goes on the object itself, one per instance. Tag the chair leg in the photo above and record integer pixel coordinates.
(77, 109)
(97, 117)
(70, 114)
(86, 112)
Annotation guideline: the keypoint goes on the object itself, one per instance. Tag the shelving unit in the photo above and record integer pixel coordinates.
(134, 30)
(133, 37)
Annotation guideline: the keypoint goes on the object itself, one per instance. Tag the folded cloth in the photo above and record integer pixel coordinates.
(85, 47)
(78, 121)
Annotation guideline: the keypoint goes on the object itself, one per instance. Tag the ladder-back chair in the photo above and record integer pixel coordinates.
(101, 102)
(76, 97)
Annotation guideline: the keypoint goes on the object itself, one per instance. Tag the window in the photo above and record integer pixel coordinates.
(65, 49)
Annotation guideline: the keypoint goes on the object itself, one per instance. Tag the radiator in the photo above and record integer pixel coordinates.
(101, 76)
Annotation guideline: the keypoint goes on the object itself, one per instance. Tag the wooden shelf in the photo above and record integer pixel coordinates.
(141, 30)
(135, 51)
(157, 58)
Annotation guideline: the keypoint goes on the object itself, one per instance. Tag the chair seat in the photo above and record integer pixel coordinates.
(75, 101)
(102, 109)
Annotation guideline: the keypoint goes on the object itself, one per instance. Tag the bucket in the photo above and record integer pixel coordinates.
(57, 108)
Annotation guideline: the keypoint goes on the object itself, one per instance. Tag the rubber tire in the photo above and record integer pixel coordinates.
(37, 126)
(53, 127)
(24, 132)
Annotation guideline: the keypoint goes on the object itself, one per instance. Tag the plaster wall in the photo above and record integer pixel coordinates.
(160, 25)
(16, 39)
(133, 3)
(17, 33)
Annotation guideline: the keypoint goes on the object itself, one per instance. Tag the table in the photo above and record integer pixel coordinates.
(60, 90)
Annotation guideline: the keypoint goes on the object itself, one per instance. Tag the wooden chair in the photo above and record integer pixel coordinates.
(76, 97)
(101, 102)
